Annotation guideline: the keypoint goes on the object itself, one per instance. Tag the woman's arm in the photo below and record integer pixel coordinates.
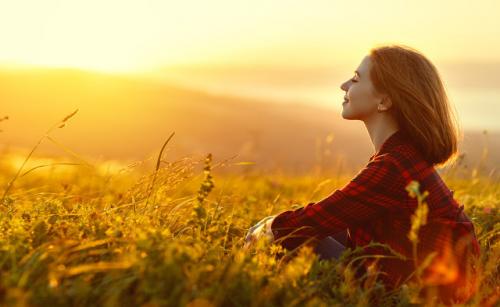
(373, 191)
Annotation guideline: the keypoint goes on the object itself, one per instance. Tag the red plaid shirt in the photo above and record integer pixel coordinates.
(375, 206)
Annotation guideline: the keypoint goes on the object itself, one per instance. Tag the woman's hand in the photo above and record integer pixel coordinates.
(260, 230)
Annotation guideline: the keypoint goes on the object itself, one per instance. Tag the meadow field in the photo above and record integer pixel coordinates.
(197, 119)
(163, 232)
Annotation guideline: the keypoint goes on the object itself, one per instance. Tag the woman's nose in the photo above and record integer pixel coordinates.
(344, 86)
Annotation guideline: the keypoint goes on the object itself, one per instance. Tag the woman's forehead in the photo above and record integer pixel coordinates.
(364, 66)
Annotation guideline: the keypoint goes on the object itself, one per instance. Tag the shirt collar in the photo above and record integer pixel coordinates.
(392, 141)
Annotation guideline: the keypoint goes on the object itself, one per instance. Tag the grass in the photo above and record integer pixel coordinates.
(171, 233)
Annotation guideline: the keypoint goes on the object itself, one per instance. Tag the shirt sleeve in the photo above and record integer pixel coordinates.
(370, 193)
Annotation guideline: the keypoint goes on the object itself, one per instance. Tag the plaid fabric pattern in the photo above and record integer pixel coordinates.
(375, 206)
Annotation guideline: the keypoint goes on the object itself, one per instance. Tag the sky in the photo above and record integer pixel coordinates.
(142, 35)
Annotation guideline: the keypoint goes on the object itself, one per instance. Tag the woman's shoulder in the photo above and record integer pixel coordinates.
(406, 164)
(407, 156)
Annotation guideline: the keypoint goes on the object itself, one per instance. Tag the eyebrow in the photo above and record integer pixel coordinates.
(357, 73)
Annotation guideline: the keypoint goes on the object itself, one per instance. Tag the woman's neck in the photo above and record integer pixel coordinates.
(380, 129)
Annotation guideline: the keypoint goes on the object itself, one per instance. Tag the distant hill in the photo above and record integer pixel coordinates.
(129, 118)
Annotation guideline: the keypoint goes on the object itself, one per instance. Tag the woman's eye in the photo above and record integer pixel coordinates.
(352, 79)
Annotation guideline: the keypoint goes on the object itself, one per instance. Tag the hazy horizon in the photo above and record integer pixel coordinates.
(123, 118)
(477, 103)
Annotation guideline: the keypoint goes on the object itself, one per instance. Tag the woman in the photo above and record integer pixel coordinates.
(398, 94)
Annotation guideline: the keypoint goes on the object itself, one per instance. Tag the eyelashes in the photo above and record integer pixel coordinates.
(353, 80)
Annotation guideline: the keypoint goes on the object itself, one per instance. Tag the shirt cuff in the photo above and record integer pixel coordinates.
(268, 230)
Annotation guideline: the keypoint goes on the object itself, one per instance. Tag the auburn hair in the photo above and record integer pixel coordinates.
(420, 104)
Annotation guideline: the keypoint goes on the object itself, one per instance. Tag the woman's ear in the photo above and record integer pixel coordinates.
(385, 104)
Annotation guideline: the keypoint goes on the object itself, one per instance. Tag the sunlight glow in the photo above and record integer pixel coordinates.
(126, 35)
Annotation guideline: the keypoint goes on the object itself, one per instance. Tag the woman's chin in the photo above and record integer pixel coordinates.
(345, 114)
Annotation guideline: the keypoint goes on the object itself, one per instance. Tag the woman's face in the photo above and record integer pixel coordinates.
(361, 99)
